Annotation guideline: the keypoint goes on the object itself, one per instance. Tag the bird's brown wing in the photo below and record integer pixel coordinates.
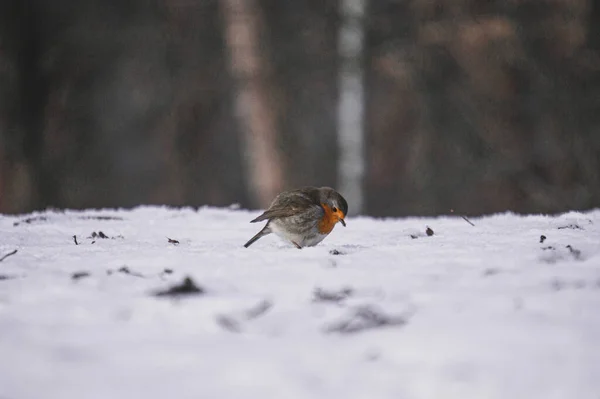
(287, 204)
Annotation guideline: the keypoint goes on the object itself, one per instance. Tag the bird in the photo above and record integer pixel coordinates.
(304, 216)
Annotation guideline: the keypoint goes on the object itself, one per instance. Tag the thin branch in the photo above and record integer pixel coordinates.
(8, 254)
(464, 217)
(467, 220)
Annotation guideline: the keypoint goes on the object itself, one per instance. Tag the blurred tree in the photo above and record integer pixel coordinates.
(254, 99)
(482, 106)
(23, 91)
(301, 37)
(351, 162)
(474, 106)
(202, 146)
(117, 104)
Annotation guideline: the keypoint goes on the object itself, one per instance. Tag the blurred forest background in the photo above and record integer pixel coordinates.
(408, 107)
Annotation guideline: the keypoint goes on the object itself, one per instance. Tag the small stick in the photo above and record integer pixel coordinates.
(8, 254)
(464, 217)
(75, 239)
(467, 220)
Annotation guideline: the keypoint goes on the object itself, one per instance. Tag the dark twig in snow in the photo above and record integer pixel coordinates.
(365, 318)
(172, 241)
(75, 239)
(8, 254)
(100, 218)
(187, 288)
(575, 252)
(428, 233)
(320, 295)
(125, 270)
(490, 272)
(557, 255)
(31, 220)
(467, 220)
(229, 323)
(233, 323)
(464, 217)
(571, 226)
(79, 275)
(101, 234)
(260, 309)
(542, 238)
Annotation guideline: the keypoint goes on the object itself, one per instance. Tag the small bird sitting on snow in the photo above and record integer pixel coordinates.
(304, 216)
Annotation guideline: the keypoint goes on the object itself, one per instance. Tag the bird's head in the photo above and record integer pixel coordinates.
(334, 201)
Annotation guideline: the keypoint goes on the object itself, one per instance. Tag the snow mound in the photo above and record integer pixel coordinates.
(157, 302)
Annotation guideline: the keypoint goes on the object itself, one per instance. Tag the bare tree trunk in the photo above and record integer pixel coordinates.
(253, 99)
(351, 107)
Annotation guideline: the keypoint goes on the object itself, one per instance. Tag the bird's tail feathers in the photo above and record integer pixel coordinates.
(265, 230)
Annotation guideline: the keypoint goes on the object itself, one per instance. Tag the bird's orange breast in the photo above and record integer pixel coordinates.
(328, 220)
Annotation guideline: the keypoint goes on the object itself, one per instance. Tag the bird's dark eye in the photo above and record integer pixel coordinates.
(334, 209)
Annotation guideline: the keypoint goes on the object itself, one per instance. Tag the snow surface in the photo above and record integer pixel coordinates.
(469, 312)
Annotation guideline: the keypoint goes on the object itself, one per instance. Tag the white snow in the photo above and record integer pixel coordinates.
(475, 312)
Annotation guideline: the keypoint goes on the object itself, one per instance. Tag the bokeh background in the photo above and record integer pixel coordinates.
(409, 107)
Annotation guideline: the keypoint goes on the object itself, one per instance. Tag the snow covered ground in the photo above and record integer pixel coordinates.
(484, 311)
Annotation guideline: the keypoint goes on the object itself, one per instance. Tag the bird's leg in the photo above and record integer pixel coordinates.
(297, 246)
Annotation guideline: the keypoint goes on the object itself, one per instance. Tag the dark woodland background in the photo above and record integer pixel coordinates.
(476, 106)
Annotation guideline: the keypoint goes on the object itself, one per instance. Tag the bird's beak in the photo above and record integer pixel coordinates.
(340, 215)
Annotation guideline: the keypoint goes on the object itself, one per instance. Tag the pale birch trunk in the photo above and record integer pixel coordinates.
(351, 166)
(257, 118)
